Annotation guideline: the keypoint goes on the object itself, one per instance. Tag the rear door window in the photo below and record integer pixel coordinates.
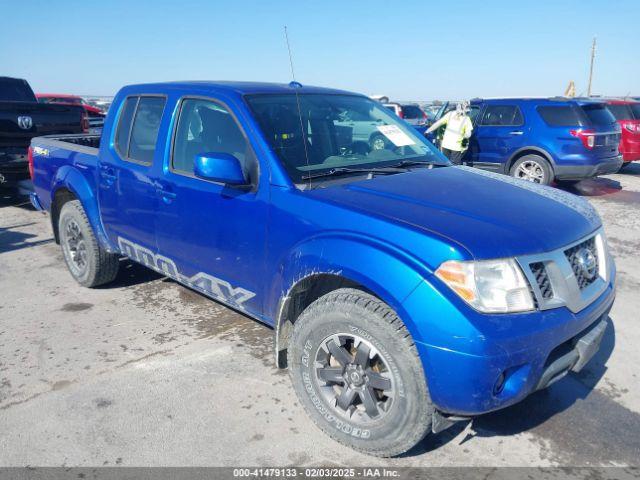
(124, 126)
(561, 116)
(502, 116)
(144, 132)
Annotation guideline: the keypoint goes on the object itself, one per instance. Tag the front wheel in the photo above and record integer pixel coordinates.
(357, 373)
(532, 168)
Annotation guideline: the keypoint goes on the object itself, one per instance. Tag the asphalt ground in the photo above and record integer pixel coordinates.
(145, 372)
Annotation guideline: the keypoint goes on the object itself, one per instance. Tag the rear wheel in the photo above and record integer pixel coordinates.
(358, 374)
(87, 262)
(532, 168)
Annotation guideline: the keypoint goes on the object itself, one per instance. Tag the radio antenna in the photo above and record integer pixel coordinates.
(286, 37)
(296, 85)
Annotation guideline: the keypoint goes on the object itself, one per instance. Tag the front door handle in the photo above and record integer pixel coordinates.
(166, 195)
(516, 132)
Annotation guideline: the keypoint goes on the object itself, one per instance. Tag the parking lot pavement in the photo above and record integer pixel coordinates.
(147, 372)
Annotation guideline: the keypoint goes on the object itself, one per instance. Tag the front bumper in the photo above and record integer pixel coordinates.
(578, 172)
(469, 384)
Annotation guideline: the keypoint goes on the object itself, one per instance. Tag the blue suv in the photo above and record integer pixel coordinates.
(542, 140)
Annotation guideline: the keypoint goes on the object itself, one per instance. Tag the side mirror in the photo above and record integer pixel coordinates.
(219, 167)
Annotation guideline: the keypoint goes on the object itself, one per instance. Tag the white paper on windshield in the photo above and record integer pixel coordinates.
(397, 136)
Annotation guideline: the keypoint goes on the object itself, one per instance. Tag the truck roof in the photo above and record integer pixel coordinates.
(240, 88)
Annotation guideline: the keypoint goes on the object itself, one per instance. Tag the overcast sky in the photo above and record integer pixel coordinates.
(418, 50)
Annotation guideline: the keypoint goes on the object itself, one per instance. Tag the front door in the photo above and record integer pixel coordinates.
(499, 133)
(212, 235)
(126, 191)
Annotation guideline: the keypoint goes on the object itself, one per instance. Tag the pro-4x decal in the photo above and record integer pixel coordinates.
(203, 282)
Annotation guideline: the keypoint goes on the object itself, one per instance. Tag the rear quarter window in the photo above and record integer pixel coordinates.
(635, 108)
(561, 116)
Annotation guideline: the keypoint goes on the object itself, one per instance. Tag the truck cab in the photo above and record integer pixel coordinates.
(405, 294)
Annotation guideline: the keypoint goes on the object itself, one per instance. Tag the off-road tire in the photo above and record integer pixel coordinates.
(547, 171)
(100, 266)
(350, 311)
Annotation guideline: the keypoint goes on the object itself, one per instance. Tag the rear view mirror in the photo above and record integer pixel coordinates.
(219, 167)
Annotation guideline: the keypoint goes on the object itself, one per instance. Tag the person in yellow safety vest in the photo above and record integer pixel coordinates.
(458, 129)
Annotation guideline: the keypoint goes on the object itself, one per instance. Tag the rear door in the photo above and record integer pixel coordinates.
(499, 132)
(126, 189)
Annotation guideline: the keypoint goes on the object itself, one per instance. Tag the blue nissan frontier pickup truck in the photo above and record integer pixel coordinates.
(405, 293)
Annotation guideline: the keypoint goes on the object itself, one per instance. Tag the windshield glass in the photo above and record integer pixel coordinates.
(621, 111)
(412, 111)
(340, 131)
(635, 108)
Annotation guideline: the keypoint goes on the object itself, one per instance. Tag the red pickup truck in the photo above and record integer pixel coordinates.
(627, 113)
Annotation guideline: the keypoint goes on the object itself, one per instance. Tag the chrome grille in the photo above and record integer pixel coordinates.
(542, 279)
(565, 276)
(574, 256)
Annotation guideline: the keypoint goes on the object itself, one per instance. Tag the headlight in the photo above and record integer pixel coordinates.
(490, 286)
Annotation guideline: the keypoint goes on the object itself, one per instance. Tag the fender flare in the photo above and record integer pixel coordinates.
(379, 268)
(73, 180)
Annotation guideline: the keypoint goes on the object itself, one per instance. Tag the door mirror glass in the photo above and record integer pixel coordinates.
(219, 167)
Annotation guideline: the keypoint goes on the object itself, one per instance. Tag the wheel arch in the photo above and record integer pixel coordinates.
(308, 276)
(529, 150)
(69, 184)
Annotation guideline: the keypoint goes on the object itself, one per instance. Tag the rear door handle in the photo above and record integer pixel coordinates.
(516, 132)
(108, 175)
(107, 172)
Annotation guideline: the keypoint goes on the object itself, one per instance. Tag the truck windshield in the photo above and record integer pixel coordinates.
(333, 132)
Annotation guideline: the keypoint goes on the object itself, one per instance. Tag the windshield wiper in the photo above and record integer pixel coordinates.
(345, 170)
(412, 163)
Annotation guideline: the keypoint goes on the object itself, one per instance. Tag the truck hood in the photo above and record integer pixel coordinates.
(489, 215)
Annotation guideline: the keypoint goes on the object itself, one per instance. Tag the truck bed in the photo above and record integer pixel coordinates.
(81, 139)
(64, 156)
